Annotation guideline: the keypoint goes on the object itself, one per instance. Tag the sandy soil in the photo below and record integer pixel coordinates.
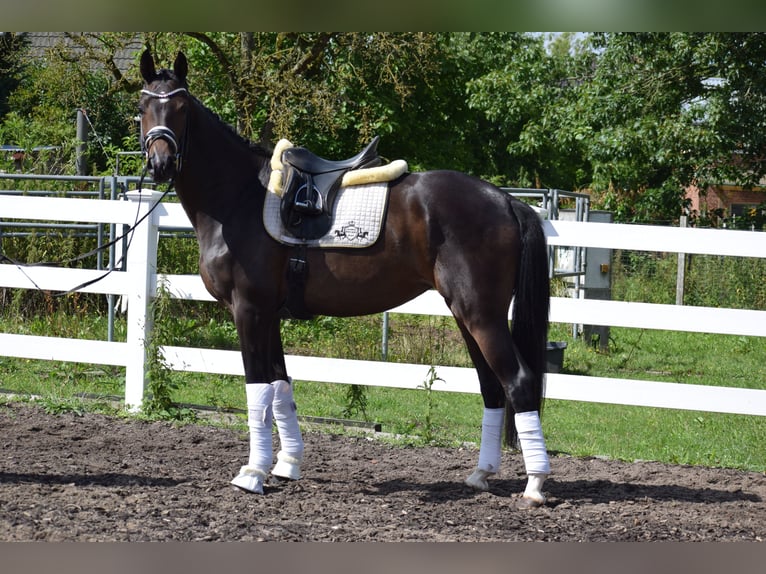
(97, 478)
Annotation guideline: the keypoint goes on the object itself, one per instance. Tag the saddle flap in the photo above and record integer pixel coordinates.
(306, 206)
(357, 219)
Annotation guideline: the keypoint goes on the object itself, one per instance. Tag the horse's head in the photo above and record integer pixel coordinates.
(163, 110)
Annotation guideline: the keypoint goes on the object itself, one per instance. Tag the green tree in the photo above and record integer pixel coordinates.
(79, 74)
(634, 117)
(664, 110)
(11, 66)
(438, 128)
(328, 91)
(523, 93)
(333, 92)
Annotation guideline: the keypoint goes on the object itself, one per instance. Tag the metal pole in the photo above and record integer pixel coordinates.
(385, 337)
(82, 139)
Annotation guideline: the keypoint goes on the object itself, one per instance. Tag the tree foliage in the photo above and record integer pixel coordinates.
(523, 94)
(632, 117)
(43, 107)
(11, 67)
(330, 91)
(666, 110)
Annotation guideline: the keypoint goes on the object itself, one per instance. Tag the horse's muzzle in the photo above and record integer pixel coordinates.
(162, 153)
(162, 167)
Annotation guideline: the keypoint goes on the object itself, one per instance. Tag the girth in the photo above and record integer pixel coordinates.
(310, 184)
(297, 277)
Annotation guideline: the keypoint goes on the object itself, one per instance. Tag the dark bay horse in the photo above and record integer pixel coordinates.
(478, 247)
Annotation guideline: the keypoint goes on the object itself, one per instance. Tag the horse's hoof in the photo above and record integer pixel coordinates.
(287, 467)
(250, 479)
(526, 503)
(478, 480)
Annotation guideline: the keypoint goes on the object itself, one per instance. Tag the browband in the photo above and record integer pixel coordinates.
(163, 95)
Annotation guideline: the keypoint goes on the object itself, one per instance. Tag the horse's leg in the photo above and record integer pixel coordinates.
(502, 355)
(535, 454)
(259, 421)
(493, 395)
(290, 454)
(265, 401)
(269, 397)
(493, 339)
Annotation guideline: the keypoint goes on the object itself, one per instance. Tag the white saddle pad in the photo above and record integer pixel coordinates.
(357, 218)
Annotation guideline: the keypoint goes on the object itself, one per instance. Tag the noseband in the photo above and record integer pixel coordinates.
(160, 132)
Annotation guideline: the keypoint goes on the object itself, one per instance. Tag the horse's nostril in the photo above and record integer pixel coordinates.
(161, 170)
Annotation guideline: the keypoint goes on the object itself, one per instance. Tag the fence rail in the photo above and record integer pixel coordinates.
(138, 284)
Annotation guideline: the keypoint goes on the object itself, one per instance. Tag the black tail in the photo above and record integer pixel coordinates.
(529, 327)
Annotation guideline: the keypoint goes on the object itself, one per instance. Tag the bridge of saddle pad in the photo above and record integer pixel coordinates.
(357, 218)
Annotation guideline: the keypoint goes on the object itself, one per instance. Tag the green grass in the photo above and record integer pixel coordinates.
(676, 436)
(640, 433)
(575, 428)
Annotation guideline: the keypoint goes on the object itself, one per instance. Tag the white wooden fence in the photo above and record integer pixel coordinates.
(139, 283)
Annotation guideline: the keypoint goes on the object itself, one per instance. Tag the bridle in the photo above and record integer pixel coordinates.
(160, 132)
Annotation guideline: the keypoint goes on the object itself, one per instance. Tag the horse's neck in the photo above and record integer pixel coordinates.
(217, 169)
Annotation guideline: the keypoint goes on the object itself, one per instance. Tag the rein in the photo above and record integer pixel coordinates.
(20, 265)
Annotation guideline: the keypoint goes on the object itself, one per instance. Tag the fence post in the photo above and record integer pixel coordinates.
(82, 142)
(680, 276)
(142, 275)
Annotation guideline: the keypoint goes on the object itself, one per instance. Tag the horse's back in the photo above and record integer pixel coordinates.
(451, 205)
(447, 183)
(453, 193)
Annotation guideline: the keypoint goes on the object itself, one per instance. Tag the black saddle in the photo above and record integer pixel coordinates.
(310, 184)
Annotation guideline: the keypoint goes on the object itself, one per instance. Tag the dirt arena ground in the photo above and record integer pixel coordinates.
(98, 478)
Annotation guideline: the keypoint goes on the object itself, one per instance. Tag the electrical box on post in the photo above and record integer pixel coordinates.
(597, 283)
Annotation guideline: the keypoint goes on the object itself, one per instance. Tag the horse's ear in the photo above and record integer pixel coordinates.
(181, 67)
(148, 72)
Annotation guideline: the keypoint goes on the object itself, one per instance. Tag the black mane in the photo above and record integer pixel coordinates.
(258, 148)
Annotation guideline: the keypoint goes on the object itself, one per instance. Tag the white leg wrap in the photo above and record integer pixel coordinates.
(290, 454)
(489, 450)
(259, 420)
(535, 455)
(491, 440)
(530, 433)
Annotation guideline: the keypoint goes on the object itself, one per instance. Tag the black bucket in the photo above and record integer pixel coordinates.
(555, 356)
